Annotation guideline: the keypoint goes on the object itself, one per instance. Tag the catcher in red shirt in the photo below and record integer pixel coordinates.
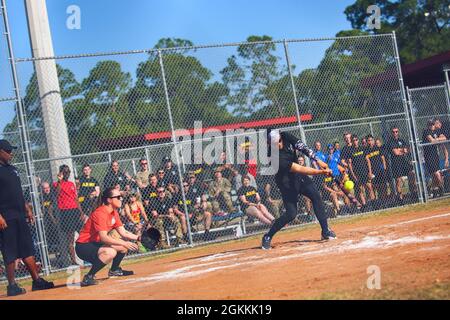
(97, 247)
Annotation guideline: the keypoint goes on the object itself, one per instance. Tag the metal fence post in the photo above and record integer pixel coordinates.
(447, 81)
(405, 106)
(423, 195)
(26, 146)
(294, 91)
(169, 110)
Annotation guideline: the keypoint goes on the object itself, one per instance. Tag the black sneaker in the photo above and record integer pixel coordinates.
(328, 235)
(265, 245)
(88, 280)
(41, 284)
(119, 273)
(14, 290)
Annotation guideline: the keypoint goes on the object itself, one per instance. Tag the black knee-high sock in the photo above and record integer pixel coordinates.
(96, 267)
(291, 213)
(117, 260)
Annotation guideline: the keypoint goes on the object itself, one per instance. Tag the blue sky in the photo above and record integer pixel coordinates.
(117, 25)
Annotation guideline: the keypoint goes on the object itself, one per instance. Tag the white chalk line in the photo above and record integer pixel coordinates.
(350, 245)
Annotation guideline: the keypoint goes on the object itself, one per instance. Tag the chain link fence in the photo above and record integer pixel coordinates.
(121, 113)
(430, 110)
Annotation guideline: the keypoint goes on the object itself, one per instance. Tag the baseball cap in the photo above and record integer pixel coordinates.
(5, 145)
(329, 146)
(166, 159)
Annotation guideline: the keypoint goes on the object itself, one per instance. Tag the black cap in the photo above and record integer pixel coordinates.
(5, 145)
(166, 159)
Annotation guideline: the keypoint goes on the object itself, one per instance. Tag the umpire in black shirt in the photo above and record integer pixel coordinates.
(15, 236)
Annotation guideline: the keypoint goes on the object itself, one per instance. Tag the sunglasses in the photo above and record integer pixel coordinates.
(7, 151)
(394, 131)
(161, 172)
(117, 197)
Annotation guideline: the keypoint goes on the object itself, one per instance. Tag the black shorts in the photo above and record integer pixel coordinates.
(16, 241)
(401, 168)
(88, 251)
(70, 220)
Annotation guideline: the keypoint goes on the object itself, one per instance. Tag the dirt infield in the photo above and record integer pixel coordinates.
(411, 248)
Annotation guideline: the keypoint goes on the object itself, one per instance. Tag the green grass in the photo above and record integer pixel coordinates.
(344, 220)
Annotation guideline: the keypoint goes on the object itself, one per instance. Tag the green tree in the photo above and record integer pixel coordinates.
(422, 26)
(250, 75)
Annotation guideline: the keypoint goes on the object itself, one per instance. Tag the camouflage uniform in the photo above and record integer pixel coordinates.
(224, 187)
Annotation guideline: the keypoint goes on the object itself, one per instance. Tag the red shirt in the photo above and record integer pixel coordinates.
(102, 219)
(67, 198)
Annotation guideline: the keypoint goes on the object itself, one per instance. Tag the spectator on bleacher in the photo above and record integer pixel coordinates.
(150, 192)
(376, 163)
(359, 171)
(70, 215)
(346, 150)
(364, 142)
(115, 176)
(167, 182)
(319, 154)
(142, 176)
(251, 202)
(220, 193)
(51, 225)
(201, 169)
(88, 191)
(226, 166)
(164, 217)
(431, 155)
(331, 193)
(270, 194)
(337, 149)
(333, 160)
(401, 163)
(198, 211)
(171, 172)
(135, 213)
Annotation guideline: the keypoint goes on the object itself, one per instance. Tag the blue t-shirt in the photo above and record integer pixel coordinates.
(333, 160)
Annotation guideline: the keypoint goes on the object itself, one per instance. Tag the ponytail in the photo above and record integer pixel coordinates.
(106, 194)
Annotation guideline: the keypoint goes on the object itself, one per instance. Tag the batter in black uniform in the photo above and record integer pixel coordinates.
(292, 180)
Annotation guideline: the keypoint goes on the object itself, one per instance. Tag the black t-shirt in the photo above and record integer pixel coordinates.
(48, 201)
(190, 200)
(112, 179)
(287, 182)
(358, 156)
(430, 151)
(150, 192)
(249, 193)
(197, 189)
(87, 186)
(396, 144)
(346, 153)
(12, 201)
(171, 176)
(162, 206)
(376, 162)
